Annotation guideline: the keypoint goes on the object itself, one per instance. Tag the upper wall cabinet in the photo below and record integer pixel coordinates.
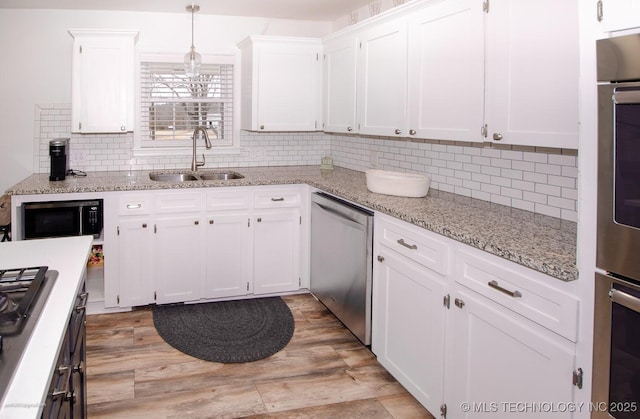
(617, 15)
(281, 84)
(532, 74)
(446, 71)
(382, 84)
(339, 101)
(461, 70)
(102, 87)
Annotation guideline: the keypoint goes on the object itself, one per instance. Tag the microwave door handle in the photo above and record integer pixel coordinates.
(624, 299)
(626, 97)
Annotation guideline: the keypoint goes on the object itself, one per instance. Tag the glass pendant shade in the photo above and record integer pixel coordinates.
(192, 60)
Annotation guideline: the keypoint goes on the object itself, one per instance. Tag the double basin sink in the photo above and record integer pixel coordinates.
(189, 176)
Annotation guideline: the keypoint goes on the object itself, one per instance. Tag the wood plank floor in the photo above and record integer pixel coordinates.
(324, 372)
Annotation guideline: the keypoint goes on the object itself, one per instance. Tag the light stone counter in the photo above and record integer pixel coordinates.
(543, 243)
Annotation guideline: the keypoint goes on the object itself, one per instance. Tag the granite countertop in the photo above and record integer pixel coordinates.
(539, 242)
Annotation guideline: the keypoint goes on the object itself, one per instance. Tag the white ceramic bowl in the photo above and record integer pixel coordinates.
(410, 185)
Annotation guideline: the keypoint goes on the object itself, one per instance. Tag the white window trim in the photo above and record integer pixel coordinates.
(221, 58)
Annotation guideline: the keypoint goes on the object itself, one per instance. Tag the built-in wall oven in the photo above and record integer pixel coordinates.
(616, 365)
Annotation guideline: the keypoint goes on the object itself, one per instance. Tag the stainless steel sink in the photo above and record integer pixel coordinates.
(220, 175)
(193, 176)
(172, 177)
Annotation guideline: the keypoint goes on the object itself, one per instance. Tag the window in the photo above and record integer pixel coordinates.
(172, 105)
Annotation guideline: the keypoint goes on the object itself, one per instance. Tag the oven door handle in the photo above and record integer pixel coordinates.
(624, 299)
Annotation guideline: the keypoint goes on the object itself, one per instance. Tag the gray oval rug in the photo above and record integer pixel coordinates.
(226, 331)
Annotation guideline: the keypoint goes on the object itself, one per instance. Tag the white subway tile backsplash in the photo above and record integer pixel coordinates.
(529, 178)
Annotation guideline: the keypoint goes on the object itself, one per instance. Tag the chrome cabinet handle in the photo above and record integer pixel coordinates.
(134, 206)
(398, 131)
(277, 199)
(412, 132)
(497, 136)
(380, 259)
(514, 294)
(458, 302)
(401, 242)
(196, 222)
(349, 129)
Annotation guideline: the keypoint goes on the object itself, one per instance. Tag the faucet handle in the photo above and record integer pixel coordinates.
(201, 163)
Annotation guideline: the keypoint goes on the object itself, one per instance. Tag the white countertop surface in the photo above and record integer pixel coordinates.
(25, 395)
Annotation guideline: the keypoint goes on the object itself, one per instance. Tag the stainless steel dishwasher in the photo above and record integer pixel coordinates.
(342, 261)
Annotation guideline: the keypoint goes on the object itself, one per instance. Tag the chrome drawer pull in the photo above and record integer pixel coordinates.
(401, 242)
(514, 294)
(277, 199)
(134, 206)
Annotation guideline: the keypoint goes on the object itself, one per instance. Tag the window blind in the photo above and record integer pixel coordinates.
(174, 104)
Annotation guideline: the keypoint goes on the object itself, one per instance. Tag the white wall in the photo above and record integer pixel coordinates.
(36, 63)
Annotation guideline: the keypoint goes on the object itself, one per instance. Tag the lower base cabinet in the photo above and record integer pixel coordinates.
(501, 366)
(468, 334)
(187, 245)
(409, 325)
(276, 251)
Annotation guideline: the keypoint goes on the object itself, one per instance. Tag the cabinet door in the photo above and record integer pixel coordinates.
(276, 247)
(620, 14)
(227, 255)
(446, 71)
(494, 359)
(133, 265)
(340, 84)
(178, 259)
(284, 78)
(102, 82)
(532, 74)
(382, 79)
(409, 325)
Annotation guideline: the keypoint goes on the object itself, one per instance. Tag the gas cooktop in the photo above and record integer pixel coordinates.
(23, 294)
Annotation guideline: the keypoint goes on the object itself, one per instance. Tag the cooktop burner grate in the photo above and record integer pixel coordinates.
(19, 288)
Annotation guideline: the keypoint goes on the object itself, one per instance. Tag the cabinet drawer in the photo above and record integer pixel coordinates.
(415, 243)
(277, 198)
(178, 202)
(519, 289)
(135, 204)
(227, 200)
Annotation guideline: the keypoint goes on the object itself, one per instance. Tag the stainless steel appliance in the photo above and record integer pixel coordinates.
(616, 366)
(59, 158)
(62, 218)
(342, 261)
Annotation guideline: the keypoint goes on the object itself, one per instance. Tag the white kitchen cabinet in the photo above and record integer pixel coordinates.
(409, 312)
(178, 259)
(339, 102)
(102, 93)
(617, 15)
(128, 257)
(499, 363)
(276, 239)
(532, 74)
(281, 84)
(446, 71)
(227, 247)
(179, 240)
(409, 325)
(382, 79)
(133, 267)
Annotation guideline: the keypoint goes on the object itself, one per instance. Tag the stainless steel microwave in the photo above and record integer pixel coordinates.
(62, 218)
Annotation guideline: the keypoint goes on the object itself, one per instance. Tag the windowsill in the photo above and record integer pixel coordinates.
(185, 151)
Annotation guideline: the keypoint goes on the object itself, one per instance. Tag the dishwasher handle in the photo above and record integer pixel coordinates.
(339, 214)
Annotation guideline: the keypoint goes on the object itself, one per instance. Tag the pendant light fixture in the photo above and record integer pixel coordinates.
(192, 59)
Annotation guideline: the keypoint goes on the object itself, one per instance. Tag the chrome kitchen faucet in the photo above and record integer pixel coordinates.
(194, 161)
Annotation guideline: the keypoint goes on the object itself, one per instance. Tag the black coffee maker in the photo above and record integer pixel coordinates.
(59, 158)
